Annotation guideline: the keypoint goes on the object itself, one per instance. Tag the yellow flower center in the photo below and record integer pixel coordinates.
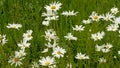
(16, 59)
(53, 7)
(95, 17)
(81, 57)
(29, 36)
(47, 63)
(59, 53)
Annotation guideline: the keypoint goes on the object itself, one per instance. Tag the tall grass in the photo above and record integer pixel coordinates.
(28, 13)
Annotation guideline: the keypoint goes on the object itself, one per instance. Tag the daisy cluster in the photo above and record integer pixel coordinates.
(20, 54)
(52, 40)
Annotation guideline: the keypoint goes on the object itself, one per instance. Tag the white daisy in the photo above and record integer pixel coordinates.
(97, 36)
(114, 10)
(106, 47)
(117, 20)
(102, 60)
(51, 18)
(46, 23)
(69, 13)
(45, 50)
(49, 13)
(50, 35)
(3, 39)
(78, 28)
(47, 61)
(112, 27)
(70, 37)
(53, 6)
(95, 17)
(15, 26)
(119, 52)
(98, 48)
(16, 60)
(23, 45)
(35, 65)
(81, 56)
(108, 17)
(28, 36)
(49, 45)
(58, 52)
(20, 53)
(87, 21)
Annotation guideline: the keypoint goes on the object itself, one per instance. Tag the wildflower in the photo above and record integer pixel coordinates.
(3, 39)
(15, 26)
(54, 6)
(69, 13)
(58, 52)
(108, 17)
(28, 36)
(87, 21)
(114, 10)
(70, 37)
(98, 48)
(78, 28)
(102, 60)
(45, 50)
(49, 13)
(69, 65)
(50, 35)
(35, 65)
(117, 20)
(95, 17)
(23, 45)
(49, 45)
(51, 18)
(20, 53)
(112, 27)
(47, 61)
(46, 23)
(97, 36)
(16, 60)
(118, 52)
(81, 56)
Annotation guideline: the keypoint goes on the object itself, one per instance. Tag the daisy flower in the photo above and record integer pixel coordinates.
(70, 37)
(3, 39)
(35, 65)
(20, 53)
(15, 26)
(117, 20)
(108, 17)
(78, 28)
(47, 61)
(54, 6)
(98, 48)
(45, 50)
(119, 52)
(46, 23)
(102, 60)
(23, 45)
(49, 13)
(51, 18)
(106, 47)
(81, 56)
(97, 36)
(95, 17)
(49, 45)
(87, 21)
(112, 27)
(69, 13)
(50, 35)
(58, 52)
(28, 36)
(114, 10)
(16, 60)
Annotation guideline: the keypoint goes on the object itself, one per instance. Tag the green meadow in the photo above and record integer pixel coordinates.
(28, 13)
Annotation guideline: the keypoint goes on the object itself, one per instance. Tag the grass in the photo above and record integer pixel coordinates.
(28, 13)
